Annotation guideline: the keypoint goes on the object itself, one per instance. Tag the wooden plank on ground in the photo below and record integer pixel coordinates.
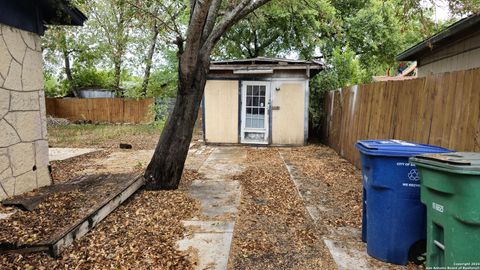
(94, 217)
(124, 185)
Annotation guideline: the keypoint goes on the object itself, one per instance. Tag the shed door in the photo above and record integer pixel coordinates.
(255, 112)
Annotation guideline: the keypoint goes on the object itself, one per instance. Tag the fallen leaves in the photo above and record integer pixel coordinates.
(334, 186)
(332, 182)
(55, 213)
(139, 234)
(63, 170)
(273, 230)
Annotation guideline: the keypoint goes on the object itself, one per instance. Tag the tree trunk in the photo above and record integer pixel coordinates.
(148, 66)
(67, 66)
(165, 169)
(118, 73)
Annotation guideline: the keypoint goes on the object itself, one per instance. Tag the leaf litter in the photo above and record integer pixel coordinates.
(140, 234)
(334, 186)
(273, 229)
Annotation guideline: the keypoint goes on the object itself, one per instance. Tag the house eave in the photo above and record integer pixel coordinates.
(34, 16)
(451, 33)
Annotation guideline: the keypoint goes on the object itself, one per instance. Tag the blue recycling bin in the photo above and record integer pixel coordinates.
(393, 220)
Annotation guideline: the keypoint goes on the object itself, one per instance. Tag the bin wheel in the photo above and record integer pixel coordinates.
(418, 252)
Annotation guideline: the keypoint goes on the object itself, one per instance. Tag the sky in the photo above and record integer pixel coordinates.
(442, 12)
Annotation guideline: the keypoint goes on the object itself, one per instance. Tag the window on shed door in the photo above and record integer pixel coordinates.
(255, 106)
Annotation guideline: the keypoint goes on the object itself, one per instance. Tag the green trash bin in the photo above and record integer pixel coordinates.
(450, 189)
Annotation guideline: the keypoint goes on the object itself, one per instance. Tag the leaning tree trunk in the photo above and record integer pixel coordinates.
(165, 169)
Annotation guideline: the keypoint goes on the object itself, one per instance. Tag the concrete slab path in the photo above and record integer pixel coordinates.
(65, 153)
(210, 233)
(120, 161)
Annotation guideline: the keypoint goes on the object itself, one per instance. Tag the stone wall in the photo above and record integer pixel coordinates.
(23, 130)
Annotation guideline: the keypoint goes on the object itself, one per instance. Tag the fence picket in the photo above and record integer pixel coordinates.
(102, 110)
(441, 109)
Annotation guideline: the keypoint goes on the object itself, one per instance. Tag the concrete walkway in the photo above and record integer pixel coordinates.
(210, 234)
(65, 153)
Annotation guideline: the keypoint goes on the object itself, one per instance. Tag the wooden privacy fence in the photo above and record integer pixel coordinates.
(442, 109)
(111, 110)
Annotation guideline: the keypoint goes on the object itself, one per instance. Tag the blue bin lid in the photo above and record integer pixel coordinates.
(396, 148)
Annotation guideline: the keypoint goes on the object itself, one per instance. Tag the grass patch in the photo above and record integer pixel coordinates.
(104, 135)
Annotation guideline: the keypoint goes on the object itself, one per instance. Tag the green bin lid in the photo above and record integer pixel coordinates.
(462, 162)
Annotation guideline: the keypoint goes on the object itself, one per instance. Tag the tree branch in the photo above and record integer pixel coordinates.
(155, 16)
(211, 19)
(230, 19)
(194, 37)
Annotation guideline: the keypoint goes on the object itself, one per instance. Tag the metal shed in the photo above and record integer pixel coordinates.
(258, 101)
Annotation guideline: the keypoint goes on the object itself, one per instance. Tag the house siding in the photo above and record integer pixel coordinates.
(461, 55)
(23, 130)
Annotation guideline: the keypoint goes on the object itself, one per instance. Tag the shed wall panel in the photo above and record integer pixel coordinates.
(221, 111)
(288, 122)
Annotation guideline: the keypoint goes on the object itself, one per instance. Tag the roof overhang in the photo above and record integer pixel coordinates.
(456, 31)
(34, 15)
(263, 65)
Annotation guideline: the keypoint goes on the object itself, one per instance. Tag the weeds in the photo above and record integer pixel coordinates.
(102, 135)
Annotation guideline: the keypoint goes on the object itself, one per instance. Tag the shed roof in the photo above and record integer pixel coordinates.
(454, 32)
(34, 15)
(264, 64)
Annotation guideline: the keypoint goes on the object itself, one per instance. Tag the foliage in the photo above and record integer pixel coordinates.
(52, 86)
(164, 81)
(358, 39)
(278, 29)
(345, 70)
(91, 77)
(111, 49)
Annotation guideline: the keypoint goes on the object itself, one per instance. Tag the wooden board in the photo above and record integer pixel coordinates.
(112, 190)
